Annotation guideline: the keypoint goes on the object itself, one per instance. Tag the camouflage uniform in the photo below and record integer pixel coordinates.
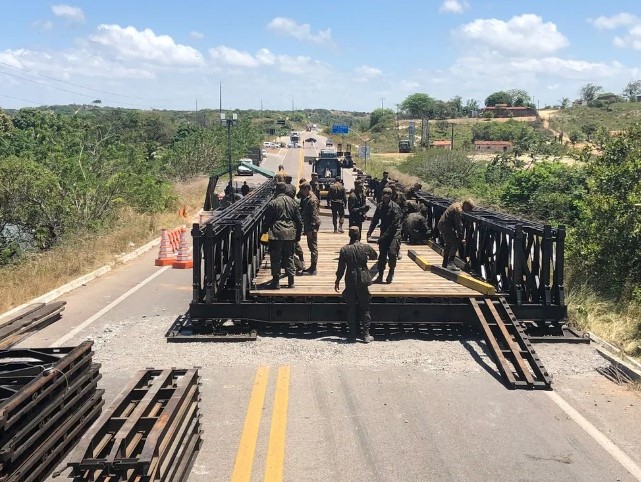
(283, 223)
(352, 262)
(315, 188)
(389, 216)
(451, 228)
(309, 208)
(357, 207)
(415, 228)
(337, 198)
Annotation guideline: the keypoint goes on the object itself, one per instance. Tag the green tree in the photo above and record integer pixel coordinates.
(589, 129)
(500, 97)
(419, 106)
(606, 245)
(589, 92)
(381, 119)
(632, 90)
(565, 102)
(519, 97)
(549, 191)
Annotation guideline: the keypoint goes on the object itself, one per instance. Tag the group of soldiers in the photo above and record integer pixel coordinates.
(290, 215)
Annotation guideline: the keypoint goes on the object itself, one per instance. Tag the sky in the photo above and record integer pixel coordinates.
(352, 55)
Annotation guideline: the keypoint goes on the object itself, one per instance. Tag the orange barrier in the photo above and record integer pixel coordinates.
(166, 254)
(183, 261)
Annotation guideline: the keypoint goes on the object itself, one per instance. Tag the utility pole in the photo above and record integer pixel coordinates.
(382, 100)
(261, 105)
(220, 97)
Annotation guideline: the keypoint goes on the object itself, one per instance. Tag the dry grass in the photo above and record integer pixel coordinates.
(43, 272)
(618, 324)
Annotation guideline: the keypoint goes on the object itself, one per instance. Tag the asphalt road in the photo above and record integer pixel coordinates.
(323, 410)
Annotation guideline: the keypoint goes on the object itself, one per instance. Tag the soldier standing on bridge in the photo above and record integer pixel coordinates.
(352, 262)
(315, 186)
(283, 223)
(382, 184)
(389, 215)
(451, 228)
(337, 198)
(244, 190)
(357, 207)
(309, 208)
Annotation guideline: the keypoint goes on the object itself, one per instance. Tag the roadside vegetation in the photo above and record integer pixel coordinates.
(598, 198)
(77, 188)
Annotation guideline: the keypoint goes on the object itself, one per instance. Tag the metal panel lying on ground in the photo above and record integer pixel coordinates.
(48, 397)
(151, 432)
(36, 316)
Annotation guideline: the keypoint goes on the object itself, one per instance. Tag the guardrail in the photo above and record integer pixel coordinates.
(227, 249)
(522, 259)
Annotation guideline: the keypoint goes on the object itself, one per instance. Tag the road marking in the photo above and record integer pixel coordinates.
(116, 302)
(247, 447)
(618, 454)
(300, 164)
(276, 448)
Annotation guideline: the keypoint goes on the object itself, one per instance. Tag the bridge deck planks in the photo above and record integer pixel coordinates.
(409, 279)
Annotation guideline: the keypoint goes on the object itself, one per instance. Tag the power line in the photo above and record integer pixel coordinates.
(87, 88)
(21, 100)
(71, 91)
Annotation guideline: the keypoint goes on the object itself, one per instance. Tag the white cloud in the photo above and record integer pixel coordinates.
(233, 57)
(521, 36)
(263, 58)
(365, 72)
(454, 6)
(288, 27)
(128, 43)
(615, 21)
(196, 35)
(43, 24)
(68, 64)
(73, 14)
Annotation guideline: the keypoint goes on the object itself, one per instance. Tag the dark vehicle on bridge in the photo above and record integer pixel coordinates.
(404, 146)
(327, 168)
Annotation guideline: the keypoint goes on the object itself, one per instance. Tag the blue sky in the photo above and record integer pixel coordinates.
(348, 55)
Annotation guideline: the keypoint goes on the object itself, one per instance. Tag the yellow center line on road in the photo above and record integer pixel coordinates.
(300, 163)
(276, 449)
(247, 447)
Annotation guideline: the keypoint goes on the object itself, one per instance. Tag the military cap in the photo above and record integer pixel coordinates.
(358, 182)
(387, 190)
(302, 180)
(281, 187)
(354, 232)
(305, 185)
(338, 178)
(314, 174)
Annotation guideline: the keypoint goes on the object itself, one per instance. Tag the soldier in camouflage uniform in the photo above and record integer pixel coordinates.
(415, 228)
(283, 223)
(309, 208)
(389, 215)
(315, 185)
(451, 228)
(357, 207)
(337, 198)
(399, 198)
(352, 262)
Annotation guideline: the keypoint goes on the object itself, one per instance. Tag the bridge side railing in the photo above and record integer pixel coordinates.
(522, 259)
(227, 249)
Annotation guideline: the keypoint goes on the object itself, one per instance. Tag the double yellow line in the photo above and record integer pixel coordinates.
(276, 448)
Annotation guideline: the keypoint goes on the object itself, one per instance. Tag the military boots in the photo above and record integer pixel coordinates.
(390, 276)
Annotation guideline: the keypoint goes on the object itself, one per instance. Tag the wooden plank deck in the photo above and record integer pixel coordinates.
(409, 280)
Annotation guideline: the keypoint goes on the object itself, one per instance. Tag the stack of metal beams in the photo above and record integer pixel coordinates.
(48, 398)
(32, 319)
(150, 433)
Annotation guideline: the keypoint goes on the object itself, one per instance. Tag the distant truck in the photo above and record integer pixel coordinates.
(404, 146)
(327, 168)
(294, 138)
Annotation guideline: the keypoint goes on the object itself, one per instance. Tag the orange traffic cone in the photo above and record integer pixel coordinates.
(165, 253)
(183, 261)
